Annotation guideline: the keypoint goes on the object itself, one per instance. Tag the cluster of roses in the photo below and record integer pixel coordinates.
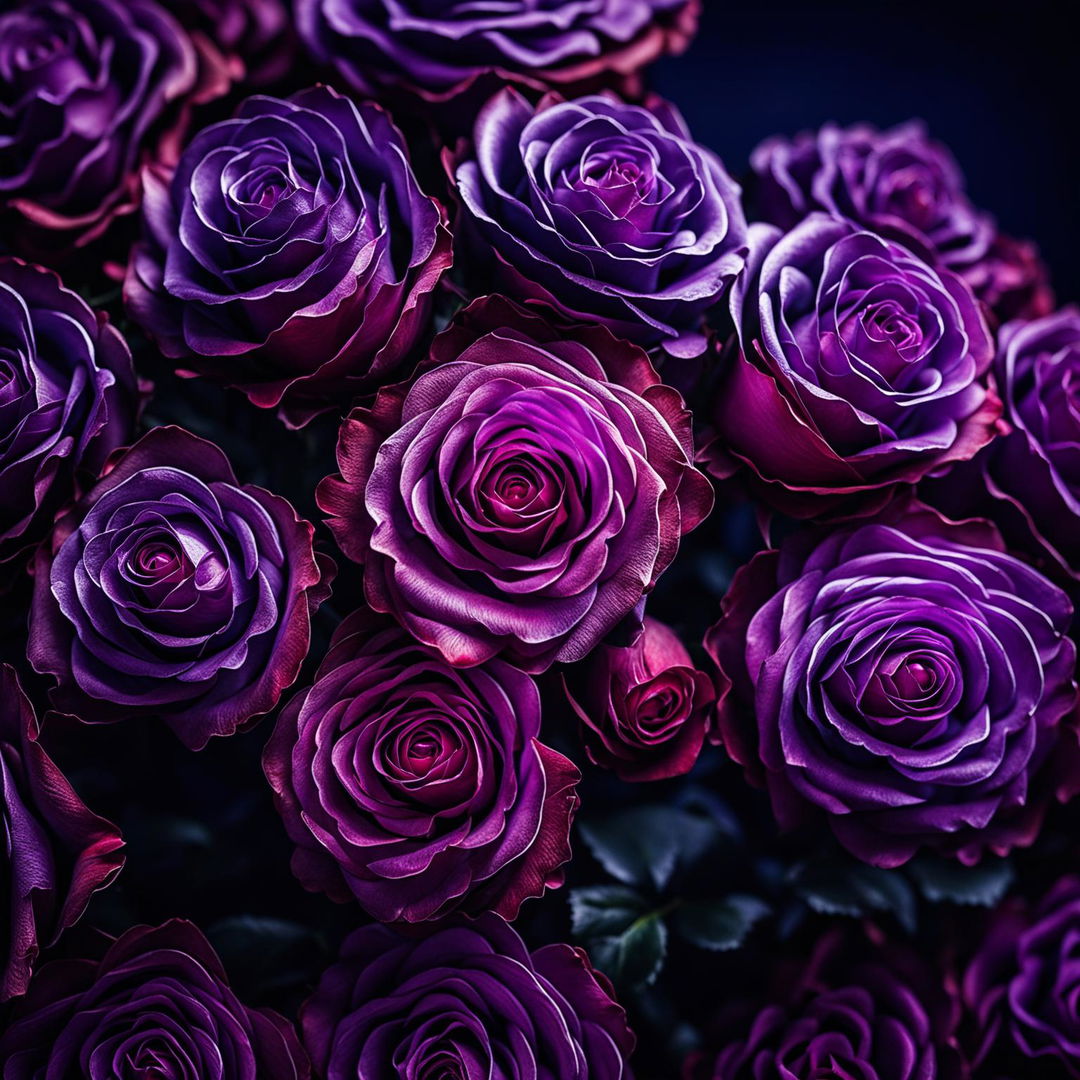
(871, 354)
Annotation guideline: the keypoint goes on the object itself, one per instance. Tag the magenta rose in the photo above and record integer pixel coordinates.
(291, 253)
(644, 708)
(171, 591)
(521, 495)
(156, 1006)
(418, 788)
(856, 366)
(57, 853)
(90, 91)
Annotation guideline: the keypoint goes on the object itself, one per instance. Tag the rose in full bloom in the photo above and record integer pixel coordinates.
(157, 1004)
(466, 1000)
(57, 853)
(90, 90)
(291, 253)
(898, 183)
(1022, 986)
(855, 366)
(254, 35)
(1012, 280)
(170, 591)
(67, 400)
(906, 678)
(416, 787)
(855, 1012)
(440, 50)
(1028, 480)
(522, 495)
(644, 708)
(609, 212)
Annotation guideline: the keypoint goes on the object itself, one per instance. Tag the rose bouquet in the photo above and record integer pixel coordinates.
(491, 591)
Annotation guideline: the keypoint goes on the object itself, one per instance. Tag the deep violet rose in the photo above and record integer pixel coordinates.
(57, 853)
(1028, 480)
(856, 366)
(90, 90)
(907, 679)
(899, 183)
(1012, 280)
(67, 400)
(419, 788)
(607, 211)
(466, 1000)
(255, 36)
(291, 253)
(858, 1011)
(157, 1004)
(644, 709)
(169, 591)
(1021, 990)
(440, 50)
(521, 496)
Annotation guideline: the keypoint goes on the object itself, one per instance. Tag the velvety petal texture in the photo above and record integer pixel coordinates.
(156, 1006)
(1028, 480)
(466, 1002)
(905, 678)
(90, 90)
(170, 591)
(858, 1011)
(418, 788)
(644, 708)
(1022, 989)
(57, 853)
(607, 211)
(437, 50)
(522, 495)
(856, 366)
(68, 398)
(291, 253)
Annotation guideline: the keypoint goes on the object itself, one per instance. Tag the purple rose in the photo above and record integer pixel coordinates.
(1028, 480)
(907, 679)
(607, 211)
(1022, 987)
(898, 183)
(291, 253)
(644, 709)
(67, 400)
(419, 788)
(522, 495)
(466, 1000)
(169, 591)
(441, 50)
(856, 1012)
(156, 1005)
(89, 91)
(57, 854)
(856, 367)
(254, 35)
(1012, 280)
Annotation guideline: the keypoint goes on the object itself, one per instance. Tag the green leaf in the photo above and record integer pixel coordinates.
(836, 886)
(604, 910)
(720, 924)
(644, 846)
(978, 886)
(633, 958)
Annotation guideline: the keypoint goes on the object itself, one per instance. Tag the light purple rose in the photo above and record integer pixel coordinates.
(608, 212)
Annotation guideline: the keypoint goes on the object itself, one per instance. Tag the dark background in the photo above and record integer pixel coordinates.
(997, 83)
